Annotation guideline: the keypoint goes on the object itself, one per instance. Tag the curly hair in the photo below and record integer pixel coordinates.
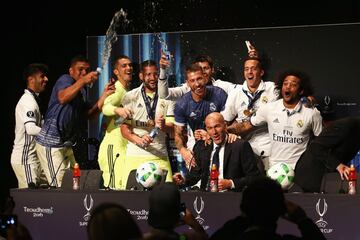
(305, 83)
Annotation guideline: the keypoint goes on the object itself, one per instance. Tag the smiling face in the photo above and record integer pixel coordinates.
(123, 70)
(291, 91)
(196, 81)
(216, 127)
(253, 74)
(79, 69)
(149, 76)
(39, 82)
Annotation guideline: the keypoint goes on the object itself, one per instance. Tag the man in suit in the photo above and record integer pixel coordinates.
(237, 165)
(331, 151)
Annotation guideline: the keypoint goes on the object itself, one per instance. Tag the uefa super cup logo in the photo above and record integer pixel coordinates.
(88, 207)
(321, 209)
(198, 209)
(321, 223)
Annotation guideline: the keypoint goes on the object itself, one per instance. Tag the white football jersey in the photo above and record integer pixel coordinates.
(26, 112)
(289, 129)
(133, 100)
(236, 104)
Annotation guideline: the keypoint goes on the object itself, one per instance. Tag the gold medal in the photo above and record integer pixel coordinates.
(247, 112)
(150, 123)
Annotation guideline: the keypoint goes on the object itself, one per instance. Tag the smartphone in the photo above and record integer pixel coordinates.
(7, 220)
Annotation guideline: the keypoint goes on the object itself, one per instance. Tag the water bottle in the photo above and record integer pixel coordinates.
(352, 180)
(118, 121)
(214, 178)
(181, 166)
(154, 132)
(76, 177)
(169, 58)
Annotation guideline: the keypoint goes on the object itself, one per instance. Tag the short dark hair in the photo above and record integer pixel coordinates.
(263, 201)
(115, 63)
(164, 206)
(193, 68)
(256, 59)
(305, 84)
(34, 68)
(112, 221)
(78, 58)
(204, 58)
(147, 63)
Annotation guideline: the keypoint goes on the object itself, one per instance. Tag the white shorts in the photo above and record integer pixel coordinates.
(28, 173)
(55, 161)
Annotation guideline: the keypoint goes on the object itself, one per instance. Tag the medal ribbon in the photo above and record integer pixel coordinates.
(149, 109)
(252, 99)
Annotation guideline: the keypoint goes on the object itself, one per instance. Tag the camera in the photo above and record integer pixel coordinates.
(7, 220)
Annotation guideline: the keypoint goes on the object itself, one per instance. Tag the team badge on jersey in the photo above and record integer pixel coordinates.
(300, 123)
(264, 99)
(212, 107)
(30, 114)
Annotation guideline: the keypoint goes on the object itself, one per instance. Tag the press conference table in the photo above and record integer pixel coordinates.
(63, 214)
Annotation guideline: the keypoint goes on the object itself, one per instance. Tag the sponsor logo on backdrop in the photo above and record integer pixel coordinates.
(88, 205)
(321, 209)
(199, 207)
(139, 214)
(39, 211)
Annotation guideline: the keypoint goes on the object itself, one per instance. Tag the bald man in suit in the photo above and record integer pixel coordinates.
(237, 165)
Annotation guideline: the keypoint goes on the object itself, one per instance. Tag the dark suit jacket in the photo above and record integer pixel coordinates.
(337, 143)
(239, 164)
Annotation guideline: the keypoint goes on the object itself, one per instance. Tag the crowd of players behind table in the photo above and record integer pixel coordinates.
(271, 118)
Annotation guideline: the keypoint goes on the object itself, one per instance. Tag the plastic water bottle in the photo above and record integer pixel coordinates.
(352, 180)
(214, 178)
(154, 132)
(76, 177)
(181, 166)
(169, 58)
(118, 121)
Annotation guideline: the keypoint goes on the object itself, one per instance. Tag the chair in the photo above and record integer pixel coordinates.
(89, 179)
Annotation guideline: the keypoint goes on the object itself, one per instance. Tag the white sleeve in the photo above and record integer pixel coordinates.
(317, 122)
(226, 86)
(177, 92)
(260, 116)
(163, 87)
(32, 129)
(230, 112)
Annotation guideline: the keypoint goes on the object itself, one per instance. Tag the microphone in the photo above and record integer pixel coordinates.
(57, 170)
(112, 172)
